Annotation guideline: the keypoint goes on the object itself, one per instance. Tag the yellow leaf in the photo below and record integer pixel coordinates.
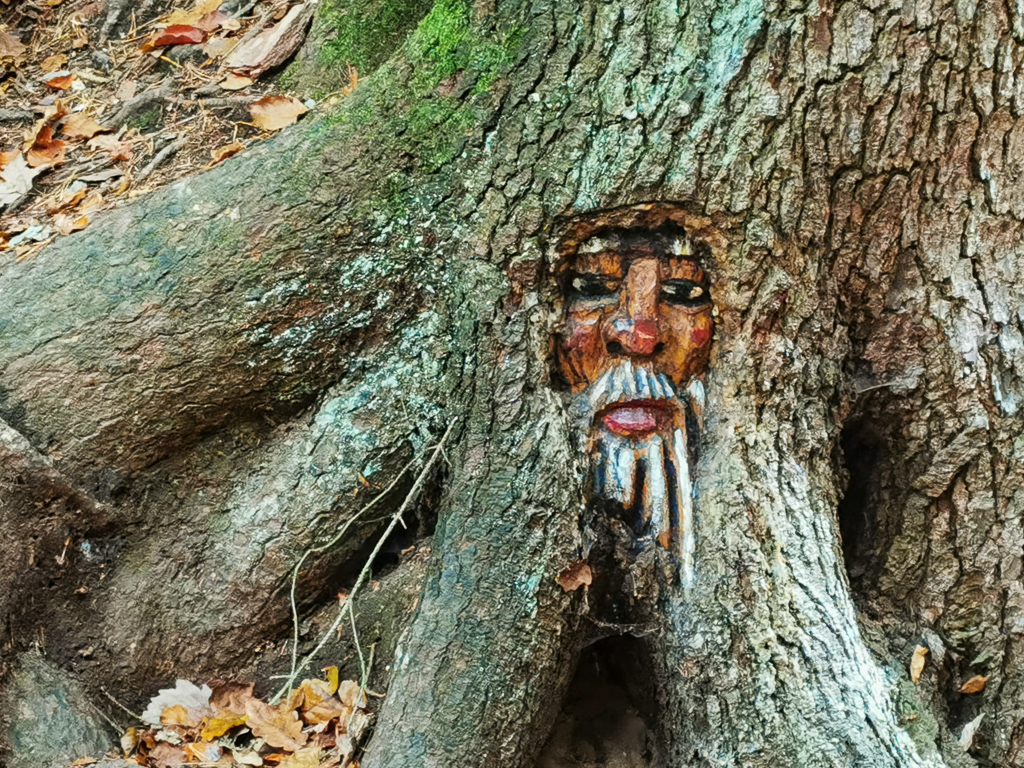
(272, 113)
(917, 663)
(975, 684)
(217, 726)
(308, 757)
(176, 715)
(332, 677)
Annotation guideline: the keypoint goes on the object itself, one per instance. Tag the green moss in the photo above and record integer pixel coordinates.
(147, 121)
(364, 35)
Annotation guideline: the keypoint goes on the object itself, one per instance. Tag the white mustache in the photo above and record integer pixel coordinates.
(663, 493)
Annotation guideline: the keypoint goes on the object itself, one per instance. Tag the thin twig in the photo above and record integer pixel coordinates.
(365, 572)
(355, 640)
(162, 155)
(136, 717)
(316, 550)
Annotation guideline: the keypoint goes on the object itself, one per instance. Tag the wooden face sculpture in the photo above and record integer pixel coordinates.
(633, 345)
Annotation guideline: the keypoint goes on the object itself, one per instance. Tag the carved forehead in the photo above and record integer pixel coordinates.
(611, 250)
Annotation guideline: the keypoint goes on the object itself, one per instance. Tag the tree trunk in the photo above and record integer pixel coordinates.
(199, 387)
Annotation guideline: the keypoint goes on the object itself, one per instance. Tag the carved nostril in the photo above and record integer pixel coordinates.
(614, 348)
(659, 347)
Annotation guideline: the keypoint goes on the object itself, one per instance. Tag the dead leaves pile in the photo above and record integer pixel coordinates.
(87, 122)
(319, 725)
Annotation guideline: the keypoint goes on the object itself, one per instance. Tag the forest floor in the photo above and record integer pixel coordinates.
(105, 100)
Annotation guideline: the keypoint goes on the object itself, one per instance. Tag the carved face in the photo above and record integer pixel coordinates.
(633, 345)
(634, 303)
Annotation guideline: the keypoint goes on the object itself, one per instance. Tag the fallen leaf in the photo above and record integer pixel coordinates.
(108, 142)
(84, 761)
(325, 710)
(966, 739)
(46, 150)
(53, 63)
(6, 157)
(68, 199)
(202, 8)
(165, 755)
(203, 751)
(308, 757)
(216, 47)
(81, 126)
(278, 728)
(212, 21)
(126, 90)
(10, 46)
(351, 694)
(231, 698)
(246, 757)
(575, 575)
(331, 673)
(917, 663)
(195, 699)
(65, 224)
(95, 200)
(272, 113)
(235, 82)
(216, 727)
(222, 153)
(59, 83)
(975, 684)
(275, 45)
(179, 34)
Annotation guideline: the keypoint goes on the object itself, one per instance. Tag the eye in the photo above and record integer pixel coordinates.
(591, 285)
(685, 293)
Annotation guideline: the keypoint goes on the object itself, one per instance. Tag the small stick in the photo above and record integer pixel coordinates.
(365, 572)
(162, 155)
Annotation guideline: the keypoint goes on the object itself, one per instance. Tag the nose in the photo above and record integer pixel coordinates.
(634, 329)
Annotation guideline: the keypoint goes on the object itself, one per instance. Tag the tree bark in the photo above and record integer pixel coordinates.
(194, 390)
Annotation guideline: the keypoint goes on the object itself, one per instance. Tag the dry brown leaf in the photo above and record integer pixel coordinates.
(46, 150)
(178, 34)
(202, 8)
(84, 761)
(235, 82)
(917, 663)
(177, 715)
(575, 575)
(67, 223)
(108, 142)
(6, 157)
(10, 46)
(94, 200)
(308, 757)
(272, 113)
(61, 83)
(223, 153)
(231, 698)
(53, 63)
(126, 90)
(351, 694)
(212, 21)
(216, 47)
(81, 126)
(203, 752)
(67, 199)
(326, 710)
(165, 755)
(975, 684)
(247, 757)
(278, 728)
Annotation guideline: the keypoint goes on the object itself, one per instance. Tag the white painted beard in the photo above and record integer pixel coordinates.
(650, 475)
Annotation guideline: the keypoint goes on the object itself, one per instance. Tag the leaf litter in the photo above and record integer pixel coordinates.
(178, 93)
(319, 724)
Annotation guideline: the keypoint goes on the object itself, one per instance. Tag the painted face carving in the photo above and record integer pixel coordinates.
(635, 340)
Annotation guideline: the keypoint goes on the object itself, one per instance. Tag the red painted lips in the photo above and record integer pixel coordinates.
(636, 418)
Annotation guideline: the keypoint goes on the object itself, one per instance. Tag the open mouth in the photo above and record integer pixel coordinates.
(635, 418)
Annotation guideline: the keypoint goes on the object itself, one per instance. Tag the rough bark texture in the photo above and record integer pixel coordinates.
(191, 388)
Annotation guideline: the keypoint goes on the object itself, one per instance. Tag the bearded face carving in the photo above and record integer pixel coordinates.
(633, 346)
